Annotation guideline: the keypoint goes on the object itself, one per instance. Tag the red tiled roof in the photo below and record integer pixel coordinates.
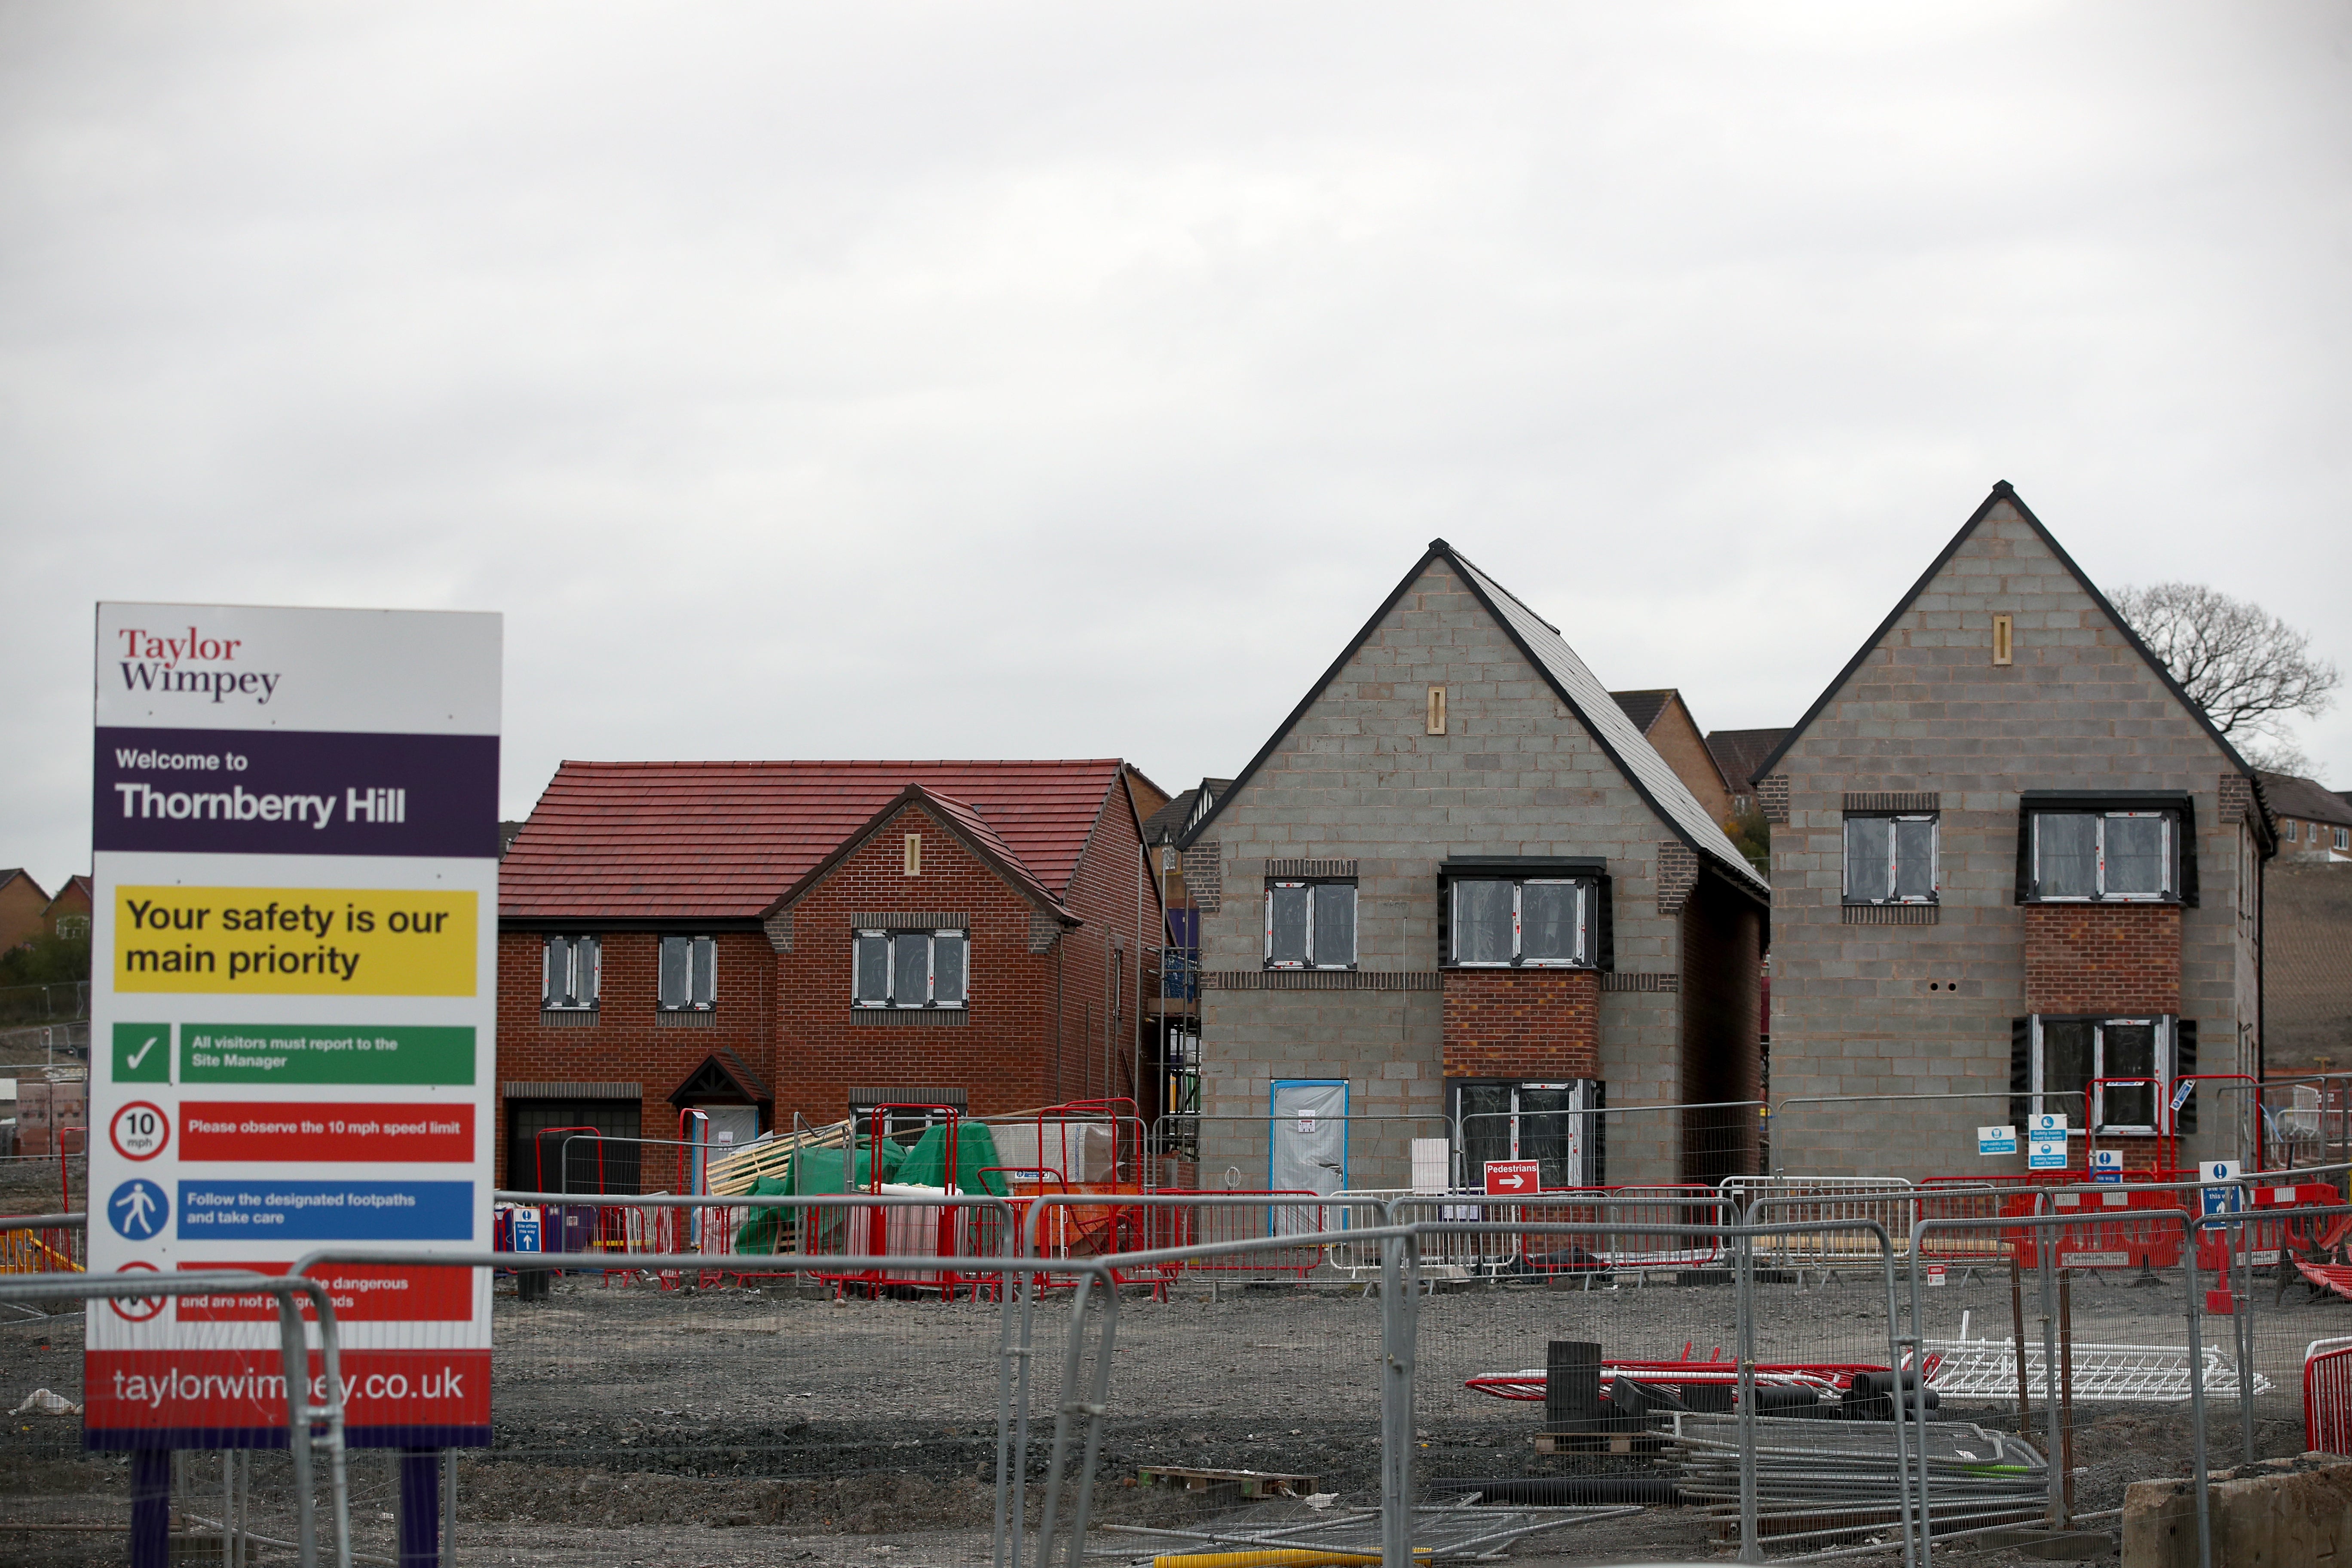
(722, 840)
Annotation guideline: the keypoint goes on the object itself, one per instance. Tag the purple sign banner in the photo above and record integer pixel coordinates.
(284, 791)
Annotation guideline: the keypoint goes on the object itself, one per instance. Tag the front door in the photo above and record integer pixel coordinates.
(712, 1134)
(1309, 1146)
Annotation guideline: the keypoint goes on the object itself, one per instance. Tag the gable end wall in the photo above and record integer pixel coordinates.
(1852, 1009)
(1358, 778)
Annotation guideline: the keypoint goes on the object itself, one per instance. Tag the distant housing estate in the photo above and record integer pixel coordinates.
(1467, 904)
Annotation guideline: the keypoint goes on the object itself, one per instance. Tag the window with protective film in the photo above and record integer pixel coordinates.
(2102, 856)
(910, 969)
(1890, 858)
(687, 978)
(571, 967)
(1500, 922)
(1310, 923)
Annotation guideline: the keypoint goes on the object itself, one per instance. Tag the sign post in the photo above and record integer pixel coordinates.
(293, 995)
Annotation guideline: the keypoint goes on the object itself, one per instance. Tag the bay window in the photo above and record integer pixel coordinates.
(2101, 856)
(1531, 922)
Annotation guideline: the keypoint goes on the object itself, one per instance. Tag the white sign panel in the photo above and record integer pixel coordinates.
(1995, 1140)
(2221, 1200)
(293, 997)
(2045, 1142)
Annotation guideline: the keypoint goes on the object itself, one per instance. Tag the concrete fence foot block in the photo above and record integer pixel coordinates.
(2259, 1520)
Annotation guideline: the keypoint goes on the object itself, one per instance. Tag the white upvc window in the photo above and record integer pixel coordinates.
(2074, 1057)
(688, 979)
(1892, 859)
(910, 969)
(2105, 855)
(571, 969)
(1310, 924)
(1522, 922)
(2344, 839)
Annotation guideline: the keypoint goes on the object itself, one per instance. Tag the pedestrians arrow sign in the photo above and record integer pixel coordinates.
(1513, 1178)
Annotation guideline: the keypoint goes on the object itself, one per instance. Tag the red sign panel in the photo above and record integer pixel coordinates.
(135, 1390)
(326, 1129)
(362, 1292)
(1513, 1178)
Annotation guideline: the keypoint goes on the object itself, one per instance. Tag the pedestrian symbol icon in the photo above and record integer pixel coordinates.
(138, 1209)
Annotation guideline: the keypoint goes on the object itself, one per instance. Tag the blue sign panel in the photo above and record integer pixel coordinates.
(327, 1211)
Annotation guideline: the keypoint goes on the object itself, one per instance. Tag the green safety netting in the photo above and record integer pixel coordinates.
(975, 1151)
(820, 1171)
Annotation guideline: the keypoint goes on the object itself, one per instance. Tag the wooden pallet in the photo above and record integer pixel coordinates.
(1252, 1483)
(735, 1175)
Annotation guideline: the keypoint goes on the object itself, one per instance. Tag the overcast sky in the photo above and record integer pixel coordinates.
(989, 380)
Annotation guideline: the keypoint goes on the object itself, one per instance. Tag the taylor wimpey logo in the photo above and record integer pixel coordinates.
(153, 661)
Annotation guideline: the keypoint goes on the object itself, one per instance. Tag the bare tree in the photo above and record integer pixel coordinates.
(2248, 668)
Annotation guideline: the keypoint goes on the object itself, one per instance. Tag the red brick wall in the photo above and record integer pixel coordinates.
(1000, 1056)
(1722, 972)
(1522, 1022)
(1098, 1020)
(2102, 958)
(626, 1044)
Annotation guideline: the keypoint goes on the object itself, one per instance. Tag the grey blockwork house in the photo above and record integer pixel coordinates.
(1458, 910)
(2012, 859)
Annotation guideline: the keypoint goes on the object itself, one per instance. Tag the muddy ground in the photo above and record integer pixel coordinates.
(635, 1425)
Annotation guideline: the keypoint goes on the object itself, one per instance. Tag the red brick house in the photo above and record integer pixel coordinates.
(22, 900)
(766, 941)
(67, 916)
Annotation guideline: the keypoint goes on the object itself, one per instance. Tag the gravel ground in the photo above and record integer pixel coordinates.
(734, 1425)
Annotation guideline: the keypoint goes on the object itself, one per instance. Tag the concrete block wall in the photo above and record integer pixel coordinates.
(1868, 1011)
(1358, 778)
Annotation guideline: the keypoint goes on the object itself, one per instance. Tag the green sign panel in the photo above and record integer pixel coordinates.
(142, 1053)
(324, 1053)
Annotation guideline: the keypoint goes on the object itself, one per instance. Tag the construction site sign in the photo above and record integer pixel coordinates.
(293, 997)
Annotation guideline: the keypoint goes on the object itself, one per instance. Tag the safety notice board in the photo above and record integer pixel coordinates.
(293, 998)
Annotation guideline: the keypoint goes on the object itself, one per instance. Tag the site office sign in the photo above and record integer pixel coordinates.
(293, 999)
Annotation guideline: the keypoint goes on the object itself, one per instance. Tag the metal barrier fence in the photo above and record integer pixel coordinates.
(1575, 1145)
(304, 1400)
(43, 1243)
(2305, 1119)
(651, 1397)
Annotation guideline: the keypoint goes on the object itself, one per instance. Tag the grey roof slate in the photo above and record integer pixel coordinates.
(1582, 690)
(1739, 753)
(1643, 707)
(2305, 798)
